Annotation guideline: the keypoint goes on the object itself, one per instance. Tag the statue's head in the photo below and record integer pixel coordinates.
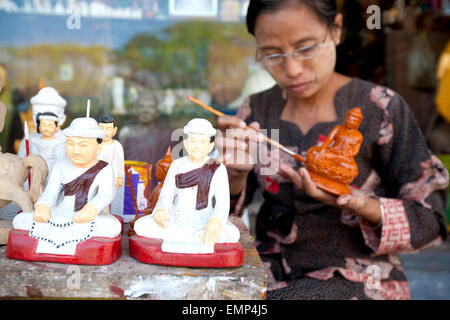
(83, 142)
(48, 100)
(146, 108)
(200, 139)
(47, 124)
(108, 125)
(353, 118)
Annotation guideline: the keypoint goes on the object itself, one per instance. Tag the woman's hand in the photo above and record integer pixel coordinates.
(356, 202)
(237, 148)
(234, 143)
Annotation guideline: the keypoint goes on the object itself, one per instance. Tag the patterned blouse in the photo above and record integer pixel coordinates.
(314, 251)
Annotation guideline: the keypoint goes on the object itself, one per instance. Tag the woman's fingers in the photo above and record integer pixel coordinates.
(301, 179)
(237, 145)
(255, 126)
(312, 190)
(293, 176)
(233, 126)
(310, 186)
(225, 122)
(353, 202)
(225, 143)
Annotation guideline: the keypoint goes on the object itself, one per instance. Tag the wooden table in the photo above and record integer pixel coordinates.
(129, 279)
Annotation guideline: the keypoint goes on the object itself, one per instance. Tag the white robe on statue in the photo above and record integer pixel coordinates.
(51, 150)
(113, 154)
(185, 227)
(61, 235)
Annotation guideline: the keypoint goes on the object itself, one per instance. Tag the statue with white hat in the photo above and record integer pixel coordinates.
(48, 116)
(70, 210)
(191, 214)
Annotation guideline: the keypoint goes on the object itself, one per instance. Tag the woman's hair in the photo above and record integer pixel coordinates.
(325, 10)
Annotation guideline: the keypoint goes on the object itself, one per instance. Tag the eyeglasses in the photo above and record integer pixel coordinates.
(303, 53)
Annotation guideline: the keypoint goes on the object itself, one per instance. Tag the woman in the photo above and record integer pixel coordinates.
(316, 245)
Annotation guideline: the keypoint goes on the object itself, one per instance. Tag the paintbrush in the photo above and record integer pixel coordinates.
(272, 142)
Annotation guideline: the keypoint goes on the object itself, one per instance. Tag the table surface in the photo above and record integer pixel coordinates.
(127, 278)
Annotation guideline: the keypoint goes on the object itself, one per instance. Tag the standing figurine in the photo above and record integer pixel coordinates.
(191, 214)
(70, 211)
(112, 151)
(45, 143)
(48, 108)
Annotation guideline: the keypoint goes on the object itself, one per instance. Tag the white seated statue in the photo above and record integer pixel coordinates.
(70, 209)
(191, 214)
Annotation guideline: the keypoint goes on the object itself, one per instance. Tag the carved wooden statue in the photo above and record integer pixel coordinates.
(332, 166)
(14, 172)
(162, 166)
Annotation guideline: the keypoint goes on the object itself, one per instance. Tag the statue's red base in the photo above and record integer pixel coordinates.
(95, 251)
(148, 250)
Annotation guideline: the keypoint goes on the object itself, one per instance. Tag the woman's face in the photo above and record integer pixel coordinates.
(291, 28)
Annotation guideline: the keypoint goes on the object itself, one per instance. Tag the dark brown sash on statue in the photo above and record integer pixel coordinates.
(200, 177)
(80, 186)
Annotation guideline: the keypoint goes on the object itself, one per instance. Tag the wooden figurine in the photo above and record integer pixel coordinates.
(13, 174)
(332, 166)
(162, 167)
(189, 225)
(145, 139)
(14, 171)
(68, 219)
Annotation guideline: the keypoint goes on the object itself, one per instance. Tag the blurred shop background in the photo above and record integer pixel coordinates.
(138, 60)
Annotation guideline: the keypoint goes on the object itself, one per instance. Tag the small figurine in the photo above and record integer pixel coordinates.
(14, 172)
(69, 215)
(191, 215)
(47, 101)
(145, 139)
(112, 151)
(45, 143)
(162, 167)
(332, 166)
